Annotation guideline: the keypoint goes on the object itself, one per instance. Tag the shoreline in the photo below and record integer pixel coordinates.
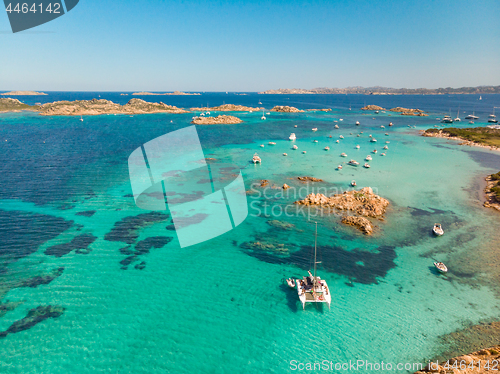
(464, 141)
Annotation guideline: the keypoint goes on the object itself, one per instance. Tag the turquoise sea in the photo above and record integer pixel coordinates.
(89, 283)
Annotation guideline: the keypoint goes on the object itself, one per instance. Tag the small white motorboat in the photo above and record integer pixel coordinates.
(386, 147)
(340, 119)
(327, 148)
(357, 147)
(343, 154)
(387, 142)
(382, 127)
(284, 154)
(272, 143)
(441, 267)
(366, 165)
(437, 229)
(295, 147)
(315, 141)
(374, 151)
(373, 140)
(315, 129)
(292, 136)
(370, 135)
(337, 141)
(358, 135)
(353, 163)
(339, 167)
(336, 126)
(382, 154)
(341, 137)
(304, 152)
(290, 282)
(256, 159)
(390, 124)
(386, 134)
(357, 123)
(295, 126)
(368, 158)
(353, 183)
(262, 145)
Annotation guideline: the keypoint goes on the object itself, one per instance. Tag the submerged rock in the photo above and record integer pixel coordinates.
(281, 225)
(309, 179)
(361, 223)
(34, 317)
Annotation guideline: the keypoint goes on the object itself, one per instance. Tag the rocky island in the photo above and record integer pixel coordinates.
(176, 93)
(285, 109)
(372, 107)
(227, 108)
(403, 111)
(219, 120)
(96, 107)
(23, 93)
(363, 203)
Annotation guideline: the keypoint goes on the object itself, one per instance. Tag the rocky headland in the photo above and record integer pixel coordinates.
(96, 107)
(176, 93)
(227, 108)
(363, 203)
(309, 179)
(219, 120)
(480, 362)
(14, 105)
(485, 137)
(23, 93)
(319, 110)
(285, 109)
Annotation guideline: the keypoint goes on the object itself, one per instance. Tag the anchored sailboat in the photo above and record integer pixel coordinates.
(313, 289)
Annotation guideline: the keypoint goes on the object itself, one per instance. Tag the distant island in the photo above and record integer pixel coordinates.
(403, 111)
(23, 93)
(386, 91)
(177, 93)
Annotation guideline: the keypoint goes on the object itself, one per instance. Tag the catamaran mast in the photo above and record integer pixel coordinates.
(315, 250)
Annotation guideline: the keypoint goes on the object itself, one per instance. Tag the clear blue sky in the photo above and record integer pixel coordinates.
(255, 45)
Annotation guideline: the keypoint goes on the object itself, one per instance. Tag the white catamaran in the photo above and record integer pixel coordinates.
(313, 289)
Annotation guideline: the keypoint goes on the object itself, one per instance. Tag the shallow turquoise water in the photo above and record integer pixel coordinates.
(218, 307)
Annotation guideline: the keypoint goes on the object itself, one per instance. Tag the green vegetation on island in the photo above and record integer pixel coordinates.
(14, 105)
(480, 135)
(495, 188)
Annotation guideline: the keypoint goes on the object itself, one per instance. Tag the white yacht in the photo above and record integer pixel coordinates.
(292, 136)
(327, 148)
(339, 167)
(353, 162)
(341, 137)
(368, 158)
(373, 140)
(441, 267)
(256, 159)
(295, 147)
(272, 143)
(357, 147)
(315, 129)
(336, 126)
(343, 154)
(357, 123)
(367, 165)
(313, 289)
(386, 147)
(471, 116)
(263, 116)
(437, 229)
